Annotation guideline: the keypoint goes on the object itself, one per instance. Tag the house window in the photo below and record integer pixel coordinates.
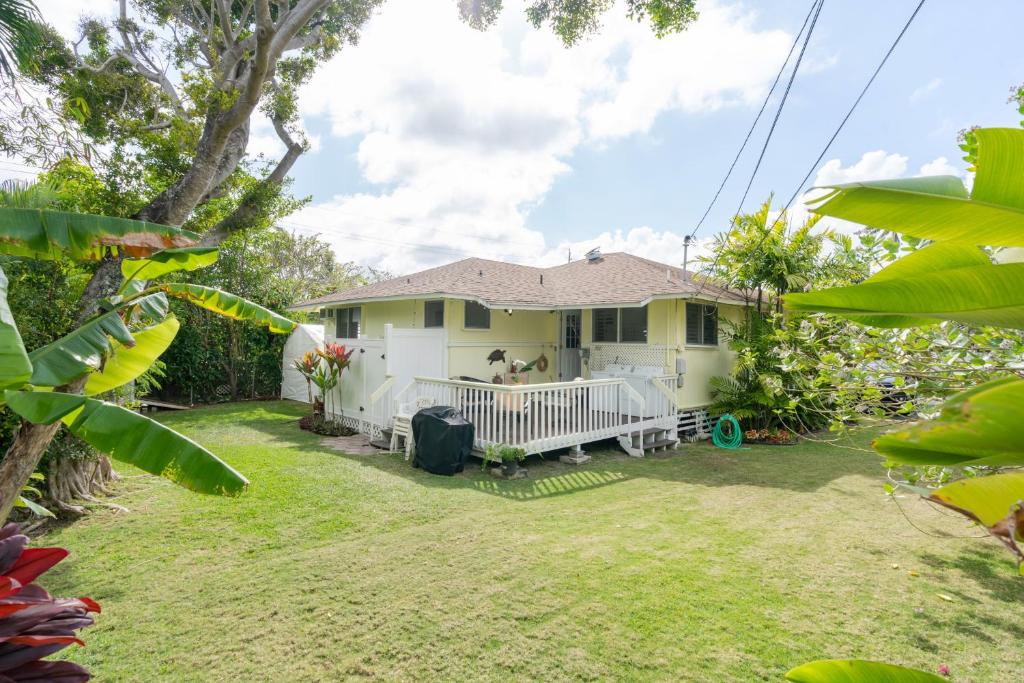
(606, 324)
(633, 324)
(433, 314)
(702, 324)
(478, 317)
(347, 323)
(620, 325)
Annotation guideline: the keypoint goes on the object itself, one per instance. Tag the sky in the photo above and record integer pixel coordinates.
(432, 141)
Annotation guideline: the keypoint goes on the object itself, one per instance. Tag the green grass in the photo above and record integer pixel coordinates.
(699, 565)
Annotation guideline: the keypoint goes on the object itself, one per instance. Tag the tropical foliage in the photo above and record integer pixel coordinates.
(34, 624)
(950, 279)
(324, 368)
(116, 345)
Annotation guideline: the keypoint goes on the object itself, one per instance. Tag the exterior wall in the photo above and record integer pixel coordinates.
(666, 333)
(524, 336)
(704, 362)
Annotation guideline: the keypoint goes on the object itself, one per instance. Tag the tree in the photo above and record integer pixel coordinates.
(950, 279)
(19, 33)
(760, 253)
(171, 87)
(114, 346)
(574, 20)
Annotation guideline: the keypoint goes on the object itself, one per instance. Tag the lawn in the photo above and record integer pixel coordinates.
(697, 565)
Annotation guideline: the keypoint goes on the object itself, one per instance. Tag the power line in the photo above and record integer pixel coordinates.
(757, 119)
(849, 113)
(764, 148)
(846, 118)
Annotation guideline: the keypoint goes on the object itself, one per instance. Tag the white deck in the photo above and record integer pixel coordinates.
(546, 417)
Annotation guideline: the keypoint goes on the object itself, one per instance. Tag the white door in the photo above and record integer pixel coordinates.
(569, 364)
(417, 353)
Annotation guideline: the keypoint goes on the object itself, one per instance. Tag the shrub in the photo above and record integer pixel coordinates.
(34, 624)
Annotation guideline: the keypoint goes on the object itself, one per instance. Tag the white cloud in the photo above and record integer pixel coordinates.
(877, 165)
(922, 91)
(940, 166)
(666, 247)
(465, 132)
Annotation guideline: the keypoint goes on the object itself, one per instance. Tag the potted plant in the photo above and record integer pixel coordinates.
(508, 456)
(510, 459)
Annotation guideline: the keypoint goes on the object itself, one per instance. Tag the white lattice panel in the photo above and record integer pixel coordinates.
(602, 355)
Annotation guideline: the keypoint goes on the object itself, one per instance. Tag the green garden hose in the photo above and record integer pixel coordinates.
(733, 439)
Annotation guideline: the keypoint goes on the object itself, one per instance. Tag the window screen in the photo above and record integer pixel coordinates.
(702, 324)
(606, 324)
(477, 317)
(346, 324)
(634, 324)
(433, 314)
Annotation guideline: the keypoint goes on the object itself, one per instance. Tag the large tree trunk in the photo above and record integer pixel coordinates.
(21, 461)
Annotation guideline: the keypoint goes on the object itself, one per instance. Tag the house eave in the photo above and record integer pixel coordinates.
(519, 306)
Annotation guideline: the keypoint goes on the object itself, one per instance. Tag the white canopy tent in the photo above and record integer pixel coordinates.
(304, 338)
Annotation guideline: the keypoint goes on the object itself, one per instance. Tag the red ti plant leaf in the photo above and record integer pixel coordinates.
(47, 672)
(36, 641)
(34, 562)
(11, 549)
(8, 586)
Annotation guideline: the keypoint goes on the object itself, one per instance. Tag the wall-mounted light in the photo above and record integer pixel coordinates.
(509, 311)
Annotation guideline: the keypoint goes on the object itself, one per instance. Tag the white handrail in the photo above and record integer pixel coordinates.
(664, 390)
(379, 392)
(519, 387)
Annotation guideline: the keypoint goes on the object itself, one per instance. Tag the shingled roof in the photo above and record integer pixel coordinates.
(618, 279)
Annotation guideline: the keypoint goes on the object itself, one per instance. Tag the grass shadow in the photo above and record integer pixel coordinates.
(985, 564)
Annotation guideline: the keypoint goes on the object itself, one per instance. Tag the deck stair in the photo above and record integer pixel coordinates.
(639, 443)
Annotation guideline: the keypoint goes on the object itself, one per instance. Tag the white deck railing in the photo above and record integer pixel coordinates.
(544, 417)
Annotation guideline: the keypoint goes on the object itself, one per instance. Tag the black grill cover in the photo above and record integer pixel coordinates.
(444, 440)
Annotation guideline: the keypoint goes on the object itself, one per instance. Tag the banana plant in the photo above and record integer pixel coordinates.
(951, 279)
(117, 344)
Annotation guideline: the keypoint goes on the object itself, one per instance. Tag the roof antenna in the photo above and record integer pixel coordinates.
(570, 255)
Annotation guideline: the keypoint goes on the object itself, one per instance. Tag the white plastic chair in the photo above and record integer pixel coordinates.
(402, 427)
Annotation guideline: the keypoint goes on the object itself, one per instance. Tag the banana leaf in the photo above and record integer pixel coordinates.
(936, 283)
(858, 671)
(44, 234)
(167, 261)
(229, 305)
(131, 438)
(996, 502)
(127, 363)
(938, 207)
(15, 368)
(84, 350)
(32, 506)
(978, 427)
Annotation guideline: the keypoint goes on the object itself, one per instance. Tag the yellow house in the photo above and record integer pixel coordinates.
(613, 345)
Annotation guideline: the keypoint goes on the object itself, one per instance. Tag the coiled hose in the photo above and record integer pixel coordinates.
(733, 439)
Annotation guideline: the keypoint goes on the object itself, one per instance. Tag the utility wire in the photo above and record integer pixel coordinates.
(757, 119)
(764, 148)
(846, 118)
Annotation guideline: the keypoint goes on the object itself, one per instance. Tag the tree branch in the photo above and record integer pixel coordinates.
(253, 203)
